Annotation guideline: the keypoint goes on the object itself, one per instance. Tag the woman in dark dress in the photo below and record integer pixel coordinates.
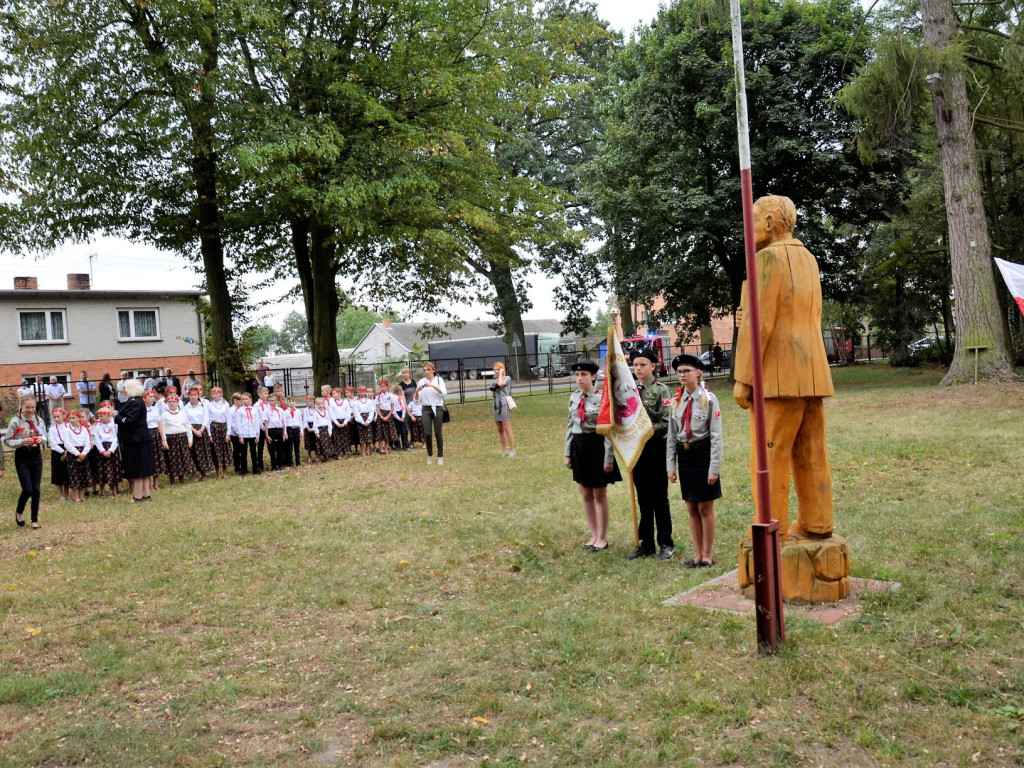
(136, 444)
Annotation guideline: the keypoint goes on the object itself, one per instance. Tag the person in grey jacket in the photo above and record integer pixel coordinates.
(695, 443)
(590, 456)
(26, 434)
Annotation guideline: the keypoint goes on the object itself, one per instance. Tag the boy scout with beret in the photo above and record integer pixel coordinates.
(649, 474)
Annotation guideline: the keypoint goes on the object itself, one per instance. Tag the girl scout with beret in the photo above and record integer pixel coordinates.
(589, 455)
(695, 442)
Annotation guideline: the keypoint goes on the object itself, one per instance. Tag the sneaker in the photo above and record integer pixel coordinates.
(666, 553)
(637, 553)
(511, 454)
(504, 454)
(430, 460)
(440, 461)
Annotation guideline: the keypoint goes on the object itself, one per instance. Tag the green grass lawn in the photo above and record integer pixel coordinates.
(383, 613)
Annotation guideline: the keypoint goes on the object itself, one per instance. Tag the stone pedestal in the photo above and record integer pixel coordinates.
(813, 570)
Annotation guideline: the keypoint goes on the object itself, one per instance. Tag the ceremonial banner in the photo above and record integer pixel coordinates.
(623, 419)
(1013, 274)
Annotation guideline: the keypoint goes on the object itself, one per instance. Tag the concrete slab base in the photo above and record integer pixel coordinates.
(723, 594)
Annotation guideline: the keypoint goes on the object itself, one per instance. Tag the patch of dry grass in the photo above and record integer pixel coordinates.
(384, 613)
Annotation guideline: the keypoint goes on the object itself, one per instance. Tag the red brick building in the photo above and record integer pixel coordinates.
(63, 332)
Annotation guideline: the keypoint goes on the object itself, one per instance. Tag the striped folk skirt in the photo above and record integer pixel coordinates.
(159, 458)
(309, 439)
(179, 459)
(221, 449)
(386, 431)
(339, 439)
(416, 431)
(202, 456)
(109, 470)
(79, 474)
(367, 433)
(323, 443)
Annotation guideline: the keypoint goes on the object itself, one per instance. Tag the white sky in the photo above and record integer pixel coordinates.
(121, 265)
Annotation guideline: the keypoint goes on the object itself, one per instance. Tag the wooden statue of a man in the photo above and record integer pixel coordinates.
(796, 372)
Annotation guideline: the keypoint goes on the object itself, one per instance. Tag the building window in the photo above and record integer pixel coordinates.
(134, 324)
(387, 349)
(42, 326)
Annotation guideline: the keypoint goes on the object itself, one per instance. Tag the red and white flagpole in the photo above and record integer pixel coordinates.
(765, 532)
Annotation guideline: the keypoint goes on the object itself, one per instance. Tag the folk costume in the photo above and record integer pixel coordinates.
(177, 435)
(201, 450)
(109, 470)
(58, 456)
(77, 445)
(219, 412)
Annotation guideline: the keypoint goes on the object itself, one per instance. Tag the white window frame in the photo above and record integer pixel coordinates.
(131, 322)
(49, 325)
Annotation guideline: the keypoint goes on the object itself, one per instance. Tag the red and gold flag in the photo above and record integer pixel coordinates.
(623, 418)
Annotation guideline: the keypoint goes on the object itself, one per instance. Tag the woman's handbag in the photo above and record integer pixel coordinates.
(445, 416)
(511, 403)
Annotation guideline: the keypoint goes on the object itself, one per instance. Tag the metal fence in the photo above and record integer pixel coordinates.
(530, 374)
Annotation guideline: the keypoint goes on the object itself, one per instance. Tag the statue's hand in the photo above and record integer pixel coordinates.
(741, 394)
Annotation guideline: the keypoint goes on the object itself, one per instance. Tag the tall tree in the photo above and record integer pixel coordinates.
(667, 180)
(110, 112)
(979, 319)
(380, 160)
(939, 80)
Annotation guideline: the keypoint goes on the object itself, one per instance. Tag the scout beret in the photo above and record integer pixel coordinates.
(584, 365)
(691, 360)
(649, 354)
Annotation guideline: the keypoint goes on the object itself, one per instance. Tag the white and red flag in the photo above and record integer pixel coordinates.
(1013, 274)
(623, 418)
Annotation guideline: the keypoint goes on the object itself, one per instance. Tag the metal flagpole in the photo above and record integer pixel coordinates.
(765, 532)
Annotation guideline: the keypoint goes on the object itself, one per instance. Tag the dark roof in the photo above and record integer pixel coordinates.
(408, 334)
(102, 294)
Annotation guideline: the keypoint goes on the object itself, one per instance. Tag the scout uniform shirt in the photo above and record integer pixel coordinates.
(704, 424)
(657, 400)
(592, 405)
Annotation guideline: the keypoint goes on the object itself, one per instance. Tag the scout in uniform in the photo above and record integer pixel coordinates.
(695, 441)
(649, 475)
(589, 455)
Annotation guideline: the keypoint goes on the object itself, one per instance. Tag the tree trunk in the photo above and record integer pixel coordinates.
(224, 348)
(626, 316)
(500, 275)
(300, 246)
(323, 320)
(978, 319)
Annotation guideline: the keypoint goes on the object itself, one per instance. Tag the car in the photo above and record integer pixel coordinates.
(922, 345)
(705, 359)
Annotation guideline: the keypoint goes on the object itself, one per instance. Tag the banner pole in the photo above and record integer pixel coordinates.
(765, 532)
(632, 498)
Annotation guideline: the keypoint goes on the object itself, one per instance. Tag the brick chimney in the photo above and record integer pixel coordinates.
(78, 282)
(386, 322)
(26, 284)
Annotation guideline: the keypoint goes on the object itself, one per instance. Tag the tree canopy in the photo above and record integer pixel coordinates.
(666, 183)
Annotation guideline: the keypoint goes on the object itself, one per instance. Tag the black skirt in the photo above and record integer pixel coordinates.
(58, 468)
(138, 460)
(693, 473)
(586, 452)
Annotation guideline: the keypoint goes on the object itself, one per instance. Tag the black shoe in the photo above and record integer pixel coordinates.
(638, 553)
(705, 563)
(692, 564)
(666, 553)
(21, 523)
